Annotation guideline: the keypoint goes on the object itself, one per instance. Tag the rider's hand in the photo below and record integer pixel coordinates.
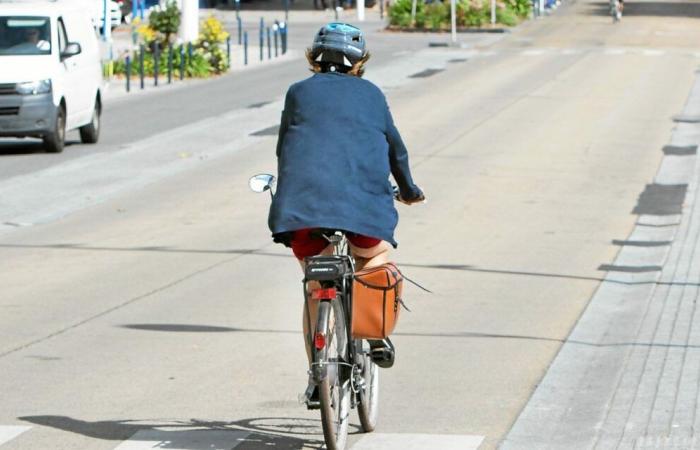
(419, 198)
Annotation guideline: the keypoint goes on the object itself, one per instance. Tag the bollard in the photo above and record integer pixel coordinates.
(182, 62)
(170, 63)
(156, 62)
(269, 46)
(286, 10)
(284, 27)
(381, 9)
(276, 33)
(141, 74)
(240, 30)
(245, 48)
(238, 9)
(262, 37)
(336, 5)
(189, 51)
(128, 73)
(228, 50)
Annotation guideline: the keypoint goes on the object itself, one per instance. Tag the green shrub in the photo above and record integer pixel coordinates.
(165, 21)
(473, 13)
(506, 16)
(521, 8)
(196, 67)
(400, 13)
(437, 14)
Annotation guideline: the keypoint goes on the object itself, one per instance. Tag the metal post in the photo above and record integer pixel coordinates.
(240, 30)
(170, 63)
(493, 12)
(238, 9)
(381, 9)
(262, 34)
(106, 21)
(286, 10)
(245, 48)
(156, 62)
(141, 74)
(361, 10)
(276, 32)
(453, 13)
(283, 36)
(335, 8)
(228, 50)
(189, 51)
(128, 73)
(269, 44)
(182, 62)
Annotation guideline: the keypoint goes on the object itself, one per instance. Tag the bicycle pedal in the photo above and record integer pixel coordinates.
(310, 398)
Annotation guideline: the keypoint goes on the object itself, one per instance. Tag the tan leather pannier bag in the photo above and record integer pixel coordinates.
(376, 300)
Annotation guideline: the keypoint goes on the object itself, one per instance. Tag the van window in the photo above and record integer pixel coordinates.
(24, 35)
(62, 37)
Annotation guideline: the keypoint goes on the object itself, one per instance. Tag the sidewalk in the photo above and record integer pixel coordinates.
(628, 375)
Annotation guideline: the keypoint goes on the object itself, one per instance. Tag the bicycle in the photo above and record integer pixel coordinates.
(341, 367)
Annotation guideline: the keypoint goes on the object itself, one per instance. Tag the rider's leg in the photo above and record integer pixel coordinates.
(370, 257)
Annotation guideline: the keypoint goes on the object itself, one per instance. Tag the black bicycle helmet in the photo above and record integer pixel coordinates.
(338, 43)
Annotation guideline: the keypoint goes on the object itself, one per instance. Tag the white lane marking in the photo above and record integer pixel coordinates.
(571, 51)
(652, 52)
(532, 53)
(9, 432)
(179, 439)
(615, 51)
(386, 441)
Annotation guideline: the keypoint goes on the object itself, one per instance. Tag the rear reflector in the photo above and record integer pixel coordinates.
(319, 341)
(323, 294)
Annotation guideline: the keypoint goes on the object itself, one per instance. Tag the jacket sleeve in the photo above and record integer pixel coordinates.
(398, 160)
(285, 121)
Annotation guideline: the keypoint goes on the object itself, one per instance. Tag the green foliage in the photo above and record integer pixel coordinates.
(470, 13)
(165, 21)
(437, 14)
(400, 13)
(211, 38)
(196, 67)
(521, 8)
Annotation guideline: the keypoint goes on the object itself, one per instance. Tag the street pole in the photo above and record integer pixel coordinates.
(361, 10)
(453, 13)
(189, 25)
(493, 12)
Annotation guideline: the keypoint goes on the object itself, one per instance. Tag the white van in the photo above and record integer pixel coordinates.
(50, 72)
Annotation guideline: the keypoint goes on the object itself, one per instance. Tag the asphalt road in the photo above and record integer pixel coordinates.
(158, 314)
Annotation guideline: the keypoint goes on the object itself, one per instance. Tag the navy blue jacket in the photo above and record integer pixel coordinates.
(337, 146)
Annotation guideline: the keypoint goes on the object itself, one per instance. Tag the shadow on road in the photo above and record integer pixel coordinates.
(650, 9)
(25, 147)
(247, 434)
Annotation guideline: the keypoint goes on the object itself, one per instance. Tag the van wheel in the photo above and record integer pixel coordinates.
(55, 140)
(90, 133)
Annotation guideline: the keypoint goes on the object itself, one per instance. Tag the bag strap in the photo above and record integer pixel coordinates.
(416, 284)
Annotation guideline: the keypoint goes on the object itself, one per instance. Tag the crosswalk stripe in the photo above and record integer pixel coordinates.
(386, 441)
(179, 439)
(9, 432)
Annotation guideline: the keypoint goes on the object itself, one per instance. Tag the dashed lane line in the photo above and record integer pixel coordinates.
(179, 439)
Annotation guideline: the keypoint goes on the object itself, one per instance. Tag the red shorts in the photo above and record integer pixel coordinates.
(307, 242)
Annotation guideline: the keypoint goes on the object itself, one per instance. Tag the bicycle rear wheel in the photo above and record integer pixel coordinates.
(368, 404)
(334, 388)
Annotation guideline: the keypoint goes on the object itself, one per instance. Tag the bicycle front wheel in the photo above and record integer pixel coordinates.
(334, 388)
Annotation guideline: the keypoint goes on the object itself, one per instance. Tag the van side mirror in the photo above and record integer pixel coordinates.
(72, 49)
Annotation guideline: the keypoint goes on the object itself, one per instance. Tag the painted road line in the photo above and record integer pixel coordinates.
(614, 51)
(653, 52)
(386, 441)
(9, 432)
(179, 439)
(532, 53)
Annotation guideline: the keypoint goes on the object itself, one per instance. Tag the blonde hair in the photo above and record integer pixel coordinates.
(357, 69)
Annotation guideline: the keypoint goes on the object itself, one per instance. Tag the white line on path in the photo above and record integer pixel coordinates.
(532, 53)
(385, 441)
(178, 439)
(9, 432)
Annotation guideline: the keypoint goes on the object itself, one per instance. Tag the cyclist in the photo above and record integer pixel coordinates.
(337, 146)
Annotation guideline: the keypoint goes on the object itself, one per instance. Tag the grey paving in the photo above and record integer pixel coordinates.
(627, 376)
